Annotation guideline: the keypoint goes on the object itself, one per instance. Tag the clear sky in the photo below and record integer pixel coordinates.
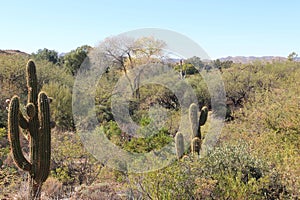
(222, 28)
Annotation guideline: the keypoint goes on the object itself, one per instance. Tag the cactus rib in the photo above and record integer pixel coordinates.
(179, 144)
(14, 135)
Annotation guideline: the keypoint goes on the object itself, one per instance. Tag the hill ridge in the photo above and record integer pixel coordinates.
(12, 52)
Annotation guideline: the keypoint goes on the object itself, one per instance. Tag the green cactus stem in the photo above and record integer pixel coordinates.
(196, 124)
(14, 135)
(196, 146)
(203, 116)
(193, 114)
(37, 123)
(179, 144)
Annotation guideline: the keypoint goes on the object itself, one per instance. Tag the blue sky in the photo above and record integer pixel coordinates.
(221, 28)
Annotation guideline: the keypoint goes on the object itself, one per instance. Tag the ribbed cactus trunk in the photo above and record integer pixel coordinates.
(196, 123)
(179, 144)
(37, 123)
(193, 114)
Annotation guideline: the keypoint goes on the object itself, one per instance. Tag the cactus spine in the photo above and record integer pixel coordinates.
(179, 144)
(196, 124)
(37, 123)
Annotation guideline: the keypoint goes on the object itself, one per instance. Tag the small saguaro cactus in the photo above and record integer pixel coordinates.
(196, 124)
(37, 123)
(179, 144)
(196, 145)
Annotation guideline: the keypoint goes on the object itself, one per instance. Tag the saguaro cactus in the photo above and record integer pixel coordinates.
(196, 145)
(179, 144)
(36, 123)
(196, 124)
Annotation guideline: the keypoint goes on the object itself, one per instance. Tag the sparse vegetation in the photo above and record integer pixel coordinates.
(257, 155)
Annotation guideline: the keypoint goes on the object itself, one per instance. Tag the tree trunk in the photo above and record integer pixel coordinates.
(34, 190)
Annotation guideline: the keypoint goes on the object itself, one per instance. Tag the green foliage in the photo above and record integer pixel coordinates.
(222, 65)
(269, 123)
(243, 81)
(195, 62)
(155, 140)
(72, 164)
(200, 88)
(73, 60)
(4, 147)
(62, 174)
(232, 159)
(103, 95)
(292, 56)
(12, 74)
(9, 182)
(2, 133)
(186, 69)
(46, 54)
(239, 174)
(227, 172)
(256, 157)
(113, 133)
(144, 145)
(173, 182)
(48, 72)
(61, 106)
(281, 114)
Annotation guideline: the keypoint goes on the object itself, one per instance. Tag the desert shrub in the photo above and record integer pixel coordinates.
(278, 138)
(9, 182)
(71, 163)
(200, 88)
(3, 113)
(4, 146)
(239, 175)
(97, 191)
(281, 111)
(155, 140)
(269, 124)
(173, 182)
(13, 82)
(52, 189)
(12, 71)
(61, 106)
(227, 172)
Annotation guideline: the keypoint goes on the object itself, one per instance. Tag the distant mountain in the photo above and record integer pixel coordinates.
(62, 54)
(245, 59)
(12, 52)
(235, 59)
(250, 59)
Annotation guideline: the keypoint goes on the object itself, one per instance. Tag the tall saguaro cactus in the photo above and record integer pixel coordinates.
(36, 122)
(196, 123)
